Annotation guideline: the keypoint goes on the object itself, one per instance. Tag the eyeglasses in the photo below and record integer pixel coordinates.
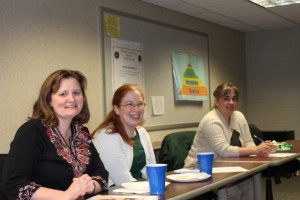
(131, 105)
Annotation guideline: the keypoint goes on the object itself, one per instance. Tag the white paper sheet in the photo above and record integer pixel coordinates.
(229, 169)
(281, 155)
(158, 104)
(215, 170)
(120, 197)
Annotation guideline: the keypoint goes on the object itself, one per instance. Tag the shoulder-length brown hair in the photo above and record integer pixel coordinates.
(113, 121)
(42, 108)
(224, 89)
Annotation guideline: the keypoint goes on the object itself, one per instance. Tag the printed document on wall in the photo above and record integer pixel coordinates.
(158, 105)
(127, 63)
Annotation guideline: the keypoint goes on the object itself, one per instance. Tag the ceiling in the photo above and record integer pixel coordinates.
(241, 15)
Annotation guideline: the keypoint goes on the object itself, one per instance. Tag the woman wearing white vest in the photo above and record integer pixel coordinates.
(123, 145)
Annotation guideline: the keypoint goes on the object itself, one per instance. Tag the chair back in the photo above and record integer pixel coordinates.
(254, 130)
(2, 160)
(175, 148)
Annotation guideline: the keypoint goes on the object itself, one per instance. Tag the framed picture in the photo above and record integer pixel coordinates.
(190, 76)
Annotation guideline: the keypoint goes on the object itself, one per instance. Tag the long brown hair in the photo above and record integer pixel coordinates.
(113, 121)
(42, 108)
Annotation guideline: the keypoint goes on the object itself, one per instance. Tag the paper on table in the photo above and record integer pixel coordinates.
(215, 170)
(229, 169)
(121, 197)
(281, 155)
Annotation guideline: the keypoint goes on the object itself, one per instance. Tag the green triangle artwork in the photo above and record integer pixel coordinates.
(192, 85)
(189, 73)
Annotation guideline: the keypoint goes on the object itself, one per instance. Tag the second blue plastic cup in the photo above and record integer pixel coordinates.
(156, 176)
(205, 161)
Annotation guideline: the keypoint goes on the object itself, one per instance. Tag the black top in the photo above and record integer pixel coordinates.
(38, 157)
(235, 139)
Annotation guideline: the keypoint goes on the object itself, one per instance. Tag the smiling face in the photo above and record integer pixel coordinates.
(130, 116)
(67, 101)
(227, 103)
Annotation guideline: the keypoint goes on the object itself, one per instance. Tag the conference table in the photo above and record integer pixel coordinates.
(219, 181)
(272, 160)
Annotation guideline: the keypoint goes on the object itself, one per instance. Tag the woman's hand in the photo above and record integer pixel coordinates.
(75, 190)
(87, 183)
(265, 148)
(79, 187)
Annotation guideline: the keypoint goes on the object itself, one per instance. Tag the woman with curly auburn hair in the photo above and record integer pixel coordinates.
(123, 144)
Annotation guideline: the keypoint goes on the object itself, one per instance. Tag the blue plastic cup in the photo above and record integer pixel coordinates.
(156, 176)
(205, 161)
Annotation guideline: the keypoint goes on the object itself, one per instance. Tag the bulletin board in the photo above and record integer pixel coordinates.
(159, 41)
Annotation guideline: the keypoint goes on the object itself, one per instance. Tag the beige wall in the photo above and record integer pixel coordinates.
(273, 79)
(38, 37)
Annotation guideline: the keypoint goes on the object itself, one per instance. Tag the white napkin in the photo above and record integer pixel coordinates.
(130, 191)
(139, 187)
(186, 170)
